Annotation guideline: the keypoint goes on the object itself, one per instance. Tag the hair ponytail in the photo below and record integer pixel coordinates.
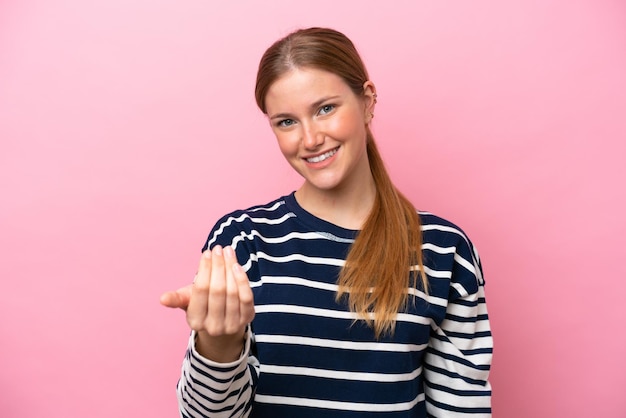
(377, 272)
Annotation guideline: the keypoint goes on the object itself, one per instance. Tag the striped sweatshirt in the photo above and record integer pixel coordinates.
(306, 355)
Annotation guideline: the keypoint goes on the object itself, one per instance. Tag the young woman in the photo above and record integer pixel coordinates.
(339, 299)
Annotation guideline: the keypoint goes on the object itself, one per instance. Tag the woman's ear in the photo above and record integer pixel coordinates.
(369, 96)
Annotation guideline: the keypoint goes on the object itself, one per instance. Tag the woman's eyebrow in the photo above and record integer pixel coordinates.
(317, 103)
(313, 106)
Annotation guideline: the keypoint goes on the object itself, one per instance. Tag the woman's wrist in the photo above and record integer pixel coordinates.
(220, 349)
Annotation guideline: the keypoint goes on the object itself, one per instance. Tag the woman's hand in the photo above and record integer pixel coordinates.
(219, 305)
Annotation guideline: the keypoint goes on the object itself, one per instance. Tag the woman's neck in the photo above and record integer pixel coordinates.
(347, 207)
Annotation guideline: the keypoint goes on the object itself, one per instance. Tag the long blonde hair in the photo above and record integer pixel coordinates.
(377, 270)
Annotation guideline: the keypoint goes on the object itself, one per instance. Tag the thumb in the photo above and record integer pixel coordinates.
(177, 299)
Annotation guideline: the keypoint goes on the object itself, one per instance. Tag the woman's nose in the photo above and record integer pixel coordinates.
(312, 138)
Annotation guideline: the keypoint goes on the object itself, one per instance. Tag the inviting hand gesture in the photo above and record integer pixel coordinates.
(219, 304)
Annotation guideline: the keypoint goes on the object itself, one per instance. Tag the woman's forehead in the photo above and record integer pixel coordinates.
(304, 86)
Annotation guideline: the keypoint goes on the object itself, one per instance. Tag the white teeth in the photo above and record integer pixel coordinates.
(322, 157)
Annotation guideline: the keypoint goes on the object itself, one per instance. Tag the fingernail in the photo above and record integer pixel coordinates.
(206, 254)
(218, 250)
(237, 268)
(228, 251)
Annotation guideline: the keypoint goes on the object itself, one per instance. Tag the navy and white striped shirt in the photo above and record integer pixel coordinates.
(307, 355)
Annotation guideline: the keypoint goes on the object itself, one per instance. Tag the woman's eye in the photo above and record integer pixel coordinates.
(286, 123)
(326, 109)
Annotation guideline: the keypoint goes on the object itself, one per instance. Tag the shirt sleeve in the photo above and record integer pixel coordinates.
(217, 390)
(458, 358)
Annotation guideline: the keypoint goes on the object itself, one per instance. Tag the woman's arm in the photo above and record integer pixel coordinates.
(458, 358)
(217, 390)
(216, 380)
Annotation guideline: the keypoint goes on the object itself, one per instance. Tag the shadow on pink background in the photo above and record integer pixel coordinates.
(128, 127)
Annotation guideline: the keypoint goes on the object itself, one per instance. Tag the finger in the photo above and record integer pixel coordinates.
(177, 299)
(246, 297)
(214, 322)
(232, 315)
(197, 309)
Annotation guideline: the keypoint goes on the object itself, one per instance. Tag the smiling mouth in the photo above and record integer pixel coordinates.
(322, 157)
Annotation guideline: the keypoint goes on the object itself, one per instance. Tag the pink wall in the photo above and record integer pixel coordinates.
(127, 127)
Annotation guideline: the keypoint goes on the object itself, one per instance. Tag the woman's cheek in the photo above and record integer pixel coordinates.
(343, 126)
(287, 143)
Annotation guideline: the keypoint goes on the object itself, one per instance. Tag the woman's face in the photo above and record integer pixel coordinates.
(321, 125)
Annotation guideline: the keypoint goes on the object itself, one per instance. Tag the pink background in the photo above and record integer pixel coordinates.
(128, 127)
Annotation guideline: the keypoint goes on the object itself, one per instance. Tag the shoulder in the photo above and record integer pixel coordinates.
(439, 230)
(446, 246)
(242, 222)
(274, 208)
